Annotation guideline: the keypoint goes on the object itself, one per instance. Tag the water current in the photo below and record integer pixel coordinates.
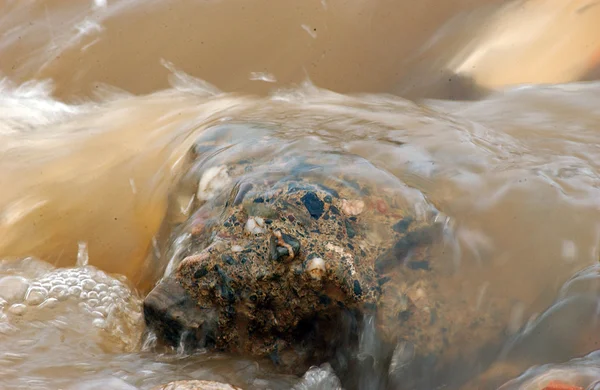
(101, 102)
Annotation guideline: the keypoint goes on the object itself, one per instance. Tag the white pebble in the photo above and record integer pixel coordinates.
(13, 288)
(254, 225)
(237, 248)
(316, 268)
(352, 207)
(213, 180)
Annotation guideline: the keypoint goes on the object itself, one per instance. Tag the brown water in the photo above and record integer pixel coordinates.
(101, 101)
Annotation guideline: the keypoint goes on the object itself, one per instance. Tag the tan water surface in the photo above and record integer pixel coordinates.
(101, 101)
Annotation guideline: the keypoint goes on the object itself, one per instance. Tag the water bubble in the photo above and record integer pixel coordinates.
(93, 295)
(59, 292)
(71, 281)
(75, 291)
(13, 288)
(92, 302)
(319, 378)
(58, 281)
(99, 323)
(101, 287)
(102, 310)
(49, 303)
(17, 309)
(35, 296)
(87, 284)
(121, 292)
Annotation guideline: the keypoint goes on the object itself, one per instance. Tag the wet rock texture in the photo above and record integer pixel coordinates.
(288, 265)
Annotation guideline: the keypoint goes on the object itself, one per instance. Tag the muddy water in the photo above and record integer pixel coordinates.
(102, 101)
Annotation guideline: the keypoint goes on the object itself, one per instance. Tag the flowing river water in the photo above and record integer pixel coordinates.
(101, 101)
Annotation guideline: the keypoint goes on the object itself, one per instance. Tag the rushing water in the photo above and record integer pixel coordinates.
(98, 110)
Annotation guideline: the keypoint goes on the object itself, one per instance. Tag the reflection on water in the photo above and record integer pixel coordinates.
(105, 172)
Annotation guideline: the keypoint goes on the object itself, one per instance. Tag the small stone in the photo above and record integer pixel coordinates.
(349, 229)
(315, 267)
(402, 225)
(352, 207)
(357, 288)
(228, 259)
(283, 245)
(313, 204)
(423, 264)
(255, 225)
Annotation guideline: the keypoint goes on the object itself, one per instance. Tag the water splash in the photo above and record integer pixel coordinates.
(82, 255)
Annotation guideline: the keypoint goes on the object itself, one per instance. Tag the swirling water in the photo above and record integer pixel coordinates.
(104, 176)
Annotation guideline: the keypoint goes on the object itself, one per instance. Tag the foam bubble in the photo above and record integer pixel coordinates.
(13, 288)
(49, 303)
(17, 309)
(114, 309)
(36, 295)
(75, 291)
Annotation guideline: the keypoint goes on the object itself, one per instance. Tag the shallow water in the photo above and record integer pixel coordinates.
(94, 165)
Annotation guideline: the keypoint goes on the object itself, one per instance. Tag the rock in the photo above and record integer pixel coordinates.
(321, 254)
(196, 385)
